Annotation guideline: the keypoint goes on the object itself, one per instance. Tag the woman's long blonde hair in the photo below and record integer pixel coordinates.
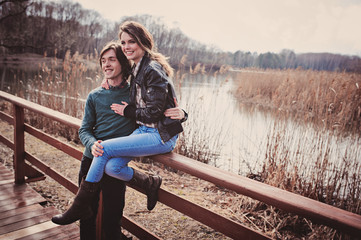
(145, 40)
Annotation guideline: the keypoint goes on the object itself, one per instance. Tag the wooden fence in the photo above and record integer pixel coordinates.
(342, 220)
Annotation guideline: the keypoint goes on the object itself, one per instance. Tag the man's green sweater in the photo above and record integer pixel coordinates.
(102, 123)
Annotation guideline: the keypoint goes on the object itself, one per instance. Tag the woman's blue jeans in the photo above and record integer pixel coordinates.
(144, 141)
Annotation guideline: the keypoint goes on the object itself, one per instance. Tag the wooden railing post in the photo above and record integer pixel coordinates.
(99, 226)
(19, 149)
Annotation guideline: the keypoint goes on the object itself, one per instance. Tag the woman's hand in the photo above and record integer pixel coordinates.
(97, 149)
(119, 108)
(105, 84)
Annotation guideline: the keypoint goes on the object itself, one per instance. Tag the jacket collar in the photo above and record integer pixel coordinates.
(143, 63)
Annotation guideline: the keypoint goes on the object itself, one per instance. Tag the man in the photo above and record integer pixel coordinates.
(100, 123)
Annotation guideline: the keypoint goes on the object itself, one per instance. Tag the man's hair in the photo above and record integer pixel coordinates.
(124, 62)
(145, 40)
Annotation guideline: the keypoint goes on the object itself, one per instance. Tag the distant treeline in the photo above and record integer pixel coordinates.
(53, 28)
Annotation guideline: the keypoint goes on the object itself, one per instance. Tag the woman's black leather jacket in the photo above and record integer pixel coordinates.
(158, 94)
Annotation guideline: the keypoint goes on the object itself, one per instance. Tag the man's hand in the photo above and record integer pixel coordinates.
(174, 113)
(119, 108)
(105, 83)
(97, 149)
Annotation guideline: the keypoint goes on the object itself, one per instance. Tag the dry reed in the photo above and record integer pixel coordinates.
(328, 99)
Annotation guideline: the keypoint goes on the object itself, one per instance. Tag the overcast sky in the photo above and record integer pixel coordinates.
(253, 25)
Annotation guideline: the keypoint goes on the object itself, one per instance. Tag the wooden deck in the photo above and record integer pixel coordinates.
(23, 217)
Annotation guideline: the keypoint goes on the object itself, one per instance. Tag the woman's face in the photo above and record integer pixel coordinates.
(130, 48)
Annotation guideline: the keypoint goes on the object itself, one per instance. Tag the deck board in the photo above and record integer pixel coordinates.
(23, 217)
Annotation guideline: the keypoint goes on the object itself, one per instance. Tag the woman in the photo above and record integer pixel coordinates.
(151, 94)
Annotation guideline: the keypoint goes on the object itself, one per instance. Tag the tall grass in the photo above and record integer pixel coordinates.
(328, 99)
(310, 168)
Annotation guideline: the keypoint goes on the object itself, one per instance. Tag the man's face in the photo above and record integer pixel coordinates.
(110, 65)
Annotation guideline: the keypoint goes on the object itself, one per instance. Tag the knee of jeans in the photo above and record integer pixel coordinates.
(110, 168)
(117, 171)
(105, 152)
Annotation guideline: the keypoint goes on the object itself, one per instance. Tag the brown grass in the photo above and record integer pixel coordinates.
(328, 99)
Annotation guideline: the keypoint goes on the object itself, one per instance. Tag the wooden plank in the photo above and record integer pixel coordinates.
(66, 148)
(33, 174)
(17, 211)
(25, 215)
(8, 195)
(317, 211)
(137, 230)
(44, 111)
(3, 168)
(219, 223)
(22, 217)
(26, 223)
(7, 176)
(52, 173)
(65, 235)
(19, 146)
(10, 204)
(7, 142)
(66, 232)
(28, 231)
(18, 193)
(6, 117)
(11, 189)
(3, 182)
(4, 171)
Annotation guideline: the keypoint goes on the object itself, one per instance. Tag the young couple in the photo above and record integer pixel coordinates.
(111, 113)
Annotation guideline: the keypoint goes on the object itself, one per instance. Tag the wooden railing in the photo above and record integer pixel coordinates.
(342, 220)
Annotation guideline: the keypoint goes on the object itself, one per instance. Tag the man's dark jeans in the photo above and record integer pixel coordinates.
(113, 204)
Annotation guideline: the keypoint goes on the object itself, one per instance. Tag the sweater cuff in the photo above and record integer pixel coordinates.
(129, 111)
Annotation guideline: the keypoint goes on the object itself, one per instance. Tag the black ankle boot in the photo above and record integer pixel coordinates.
(150, 184)
(80, 209)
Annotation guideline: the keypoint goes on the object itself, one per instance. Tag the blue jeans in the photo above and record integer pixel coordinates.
(144, 141)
